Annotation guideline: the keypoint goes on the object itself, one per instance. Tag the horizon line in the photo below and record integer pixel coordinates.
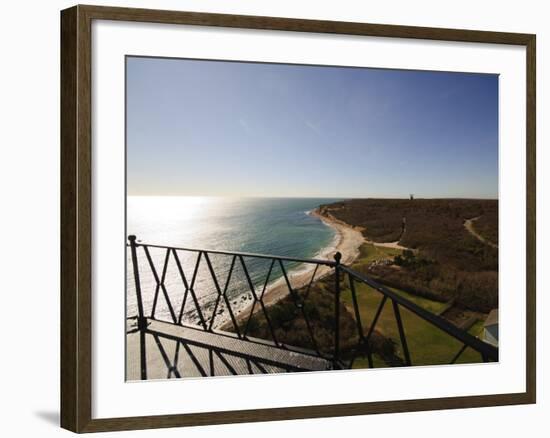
(312, 197)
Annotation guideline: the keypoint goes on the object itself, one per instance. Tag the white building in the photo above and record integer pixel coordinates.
(490, 328)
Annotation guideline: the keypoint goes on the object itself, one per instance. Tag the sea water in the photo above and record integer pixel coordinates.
(273, 226)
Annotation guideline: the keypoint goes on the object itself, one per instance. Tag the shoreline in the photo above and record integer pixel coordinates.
(393, 245)
(349, 238)
(347, 241)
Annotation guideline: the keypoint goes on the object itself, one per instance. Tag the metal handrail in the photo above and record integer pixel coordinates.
(242, 254)
(488, 352)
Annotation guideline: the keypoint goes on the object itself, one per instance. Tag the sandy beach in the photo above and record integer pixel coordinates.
(347, 241)
(331, 220)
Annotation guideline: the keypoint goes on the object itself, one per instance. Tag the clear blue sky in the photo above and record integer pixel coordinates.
(211, 128)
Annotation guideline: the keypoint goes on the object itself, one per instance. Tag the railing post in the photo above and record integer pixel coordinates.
(402, 336)
(337, 258)
(141, 320)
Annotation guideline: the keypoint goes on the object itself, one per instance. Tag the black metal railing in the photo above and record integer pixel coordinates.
(239, 324)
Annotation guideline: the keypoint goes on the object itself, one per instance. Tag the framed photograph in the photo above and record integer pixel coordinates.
(270, 218)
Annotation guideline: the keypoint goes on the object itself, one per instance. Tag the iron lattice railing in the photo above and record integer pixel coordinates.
(239, 325)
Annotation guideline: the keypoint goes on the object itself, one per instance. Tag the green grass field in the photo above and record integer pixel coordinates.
(369, 253)
(427, 344)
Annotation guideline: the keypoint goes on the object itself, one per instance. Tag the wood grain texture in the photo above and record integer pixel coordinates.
(76, 223)
(531, 249)
(339, 410)
(69, 327)
(76, 186)
(300, 25)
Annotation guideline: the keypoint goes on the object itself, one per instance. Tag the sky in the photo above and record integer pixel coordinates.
(215, 128)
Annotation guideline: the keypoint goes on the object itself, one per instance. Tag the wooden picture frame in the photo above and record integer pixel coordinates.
(76, 217)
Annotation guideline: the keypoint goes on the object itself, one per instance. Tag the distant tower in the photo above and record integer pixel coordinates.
(411, 196)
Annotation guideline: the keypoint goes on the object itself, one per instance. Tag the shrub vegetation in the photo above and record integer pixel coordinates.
(447, 262)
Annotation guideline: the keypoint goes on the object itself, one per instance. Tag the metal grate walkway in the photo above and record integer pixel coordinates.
(174, 351)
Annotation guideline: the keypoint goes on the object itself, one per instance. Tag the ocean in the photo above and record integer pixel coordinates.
(275, 226)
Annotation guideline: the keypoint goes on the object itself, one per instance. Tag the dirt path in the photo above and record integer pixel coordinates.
(394, 245)
(469, 225)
